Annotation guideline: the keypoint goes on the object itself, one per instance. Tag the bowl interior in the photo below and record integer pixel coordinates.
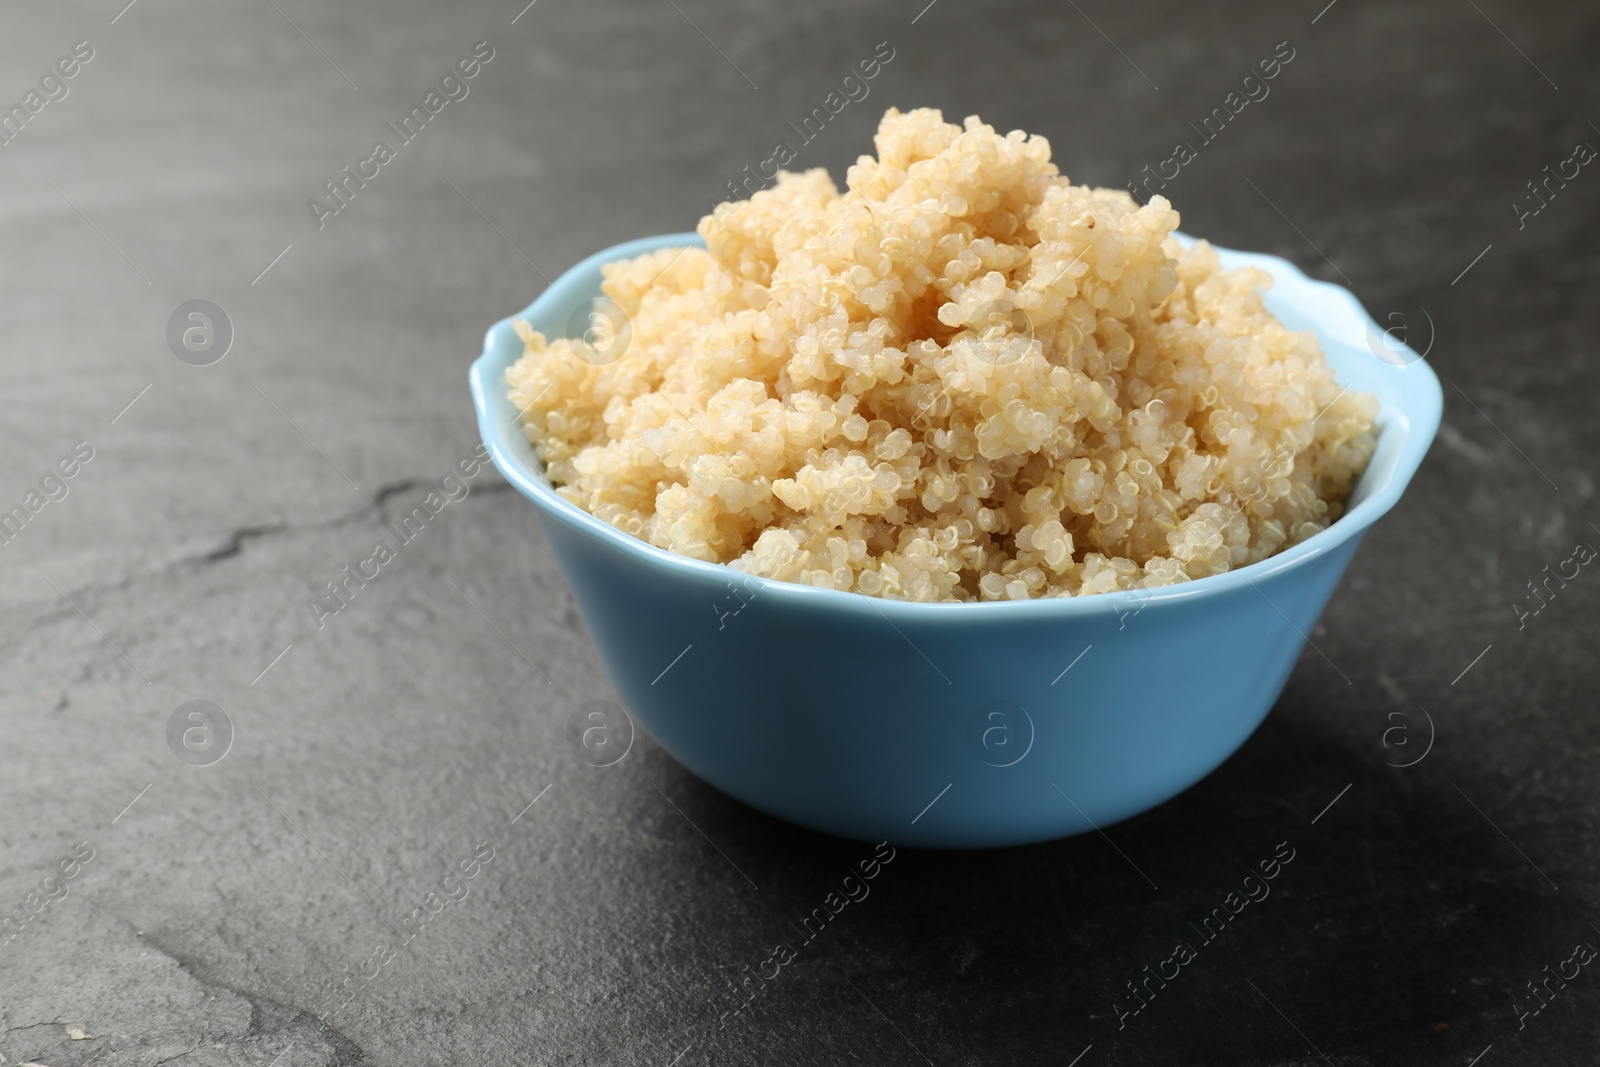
(1407, 390)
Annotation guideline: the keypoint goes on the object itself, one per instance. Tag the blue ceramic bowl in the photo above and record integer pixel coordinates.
(956, 725)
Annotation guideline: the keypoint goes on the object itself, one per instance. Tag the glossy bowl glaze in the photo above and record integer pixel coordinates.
(956, 725)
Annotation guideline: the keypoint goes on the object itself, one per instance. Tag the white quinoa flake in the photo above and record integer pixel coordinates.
(963, 379)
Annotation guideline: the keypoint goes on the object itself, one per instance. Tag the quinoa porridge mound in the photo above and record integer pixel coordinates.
(964, 378)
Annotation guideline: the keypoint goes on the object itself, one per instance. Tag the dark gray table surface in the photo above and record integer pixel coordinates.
(245, 912)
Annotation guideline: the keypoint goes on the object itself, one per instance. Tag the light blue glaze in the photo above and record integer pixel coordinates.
(850, 714)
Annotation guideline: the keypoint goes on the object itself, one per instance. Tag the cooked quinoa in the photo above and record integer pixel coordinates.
(965, 378)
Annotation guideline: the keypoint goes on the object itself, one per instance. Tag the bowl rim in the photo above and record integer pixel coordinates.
(1415, 418)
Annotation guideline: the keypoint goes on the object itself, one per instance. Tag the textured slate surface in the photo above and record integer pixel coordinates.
(254, 911)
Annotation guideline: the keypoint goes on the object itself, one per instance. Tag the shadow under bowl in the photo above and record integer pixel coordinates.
(956, 725)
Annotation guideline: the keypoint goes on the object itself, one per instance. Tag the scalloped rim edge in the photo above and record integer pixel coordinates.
(1416, 422)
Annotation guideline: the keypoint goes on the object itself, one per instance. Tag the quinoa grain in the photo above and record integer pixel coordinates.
(965, 378)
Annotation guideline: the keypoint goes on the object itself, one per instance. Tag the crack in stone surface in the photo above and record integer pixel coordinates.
(231, 545)
(234, 544)
(159, 1006)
